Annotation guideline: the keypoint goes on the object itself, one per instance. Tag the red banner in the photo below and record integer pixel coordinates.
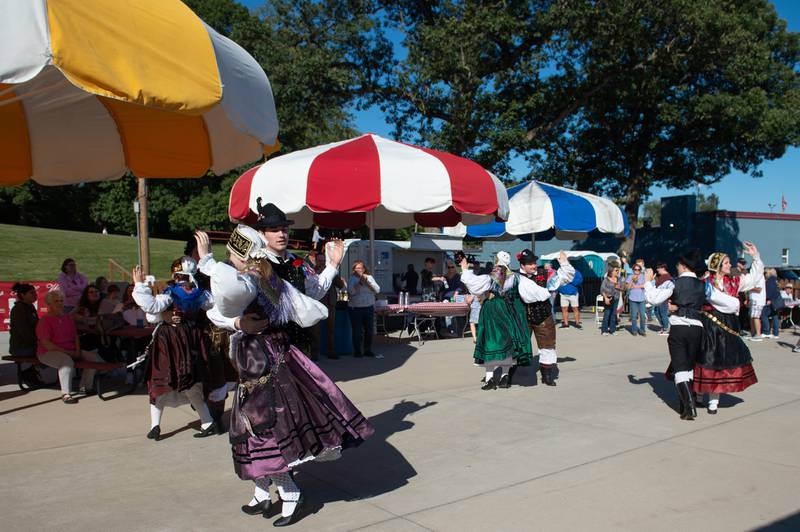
(8, 297)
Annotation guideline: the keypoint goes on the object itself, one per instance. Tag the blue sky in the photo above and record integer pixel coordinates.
(737, 192)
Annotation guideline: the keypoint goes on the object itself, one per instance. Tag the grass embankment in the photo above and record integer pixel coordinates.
(34, 254)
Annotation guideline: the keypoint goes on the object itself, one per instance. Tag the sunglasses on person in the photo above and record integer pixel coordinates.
(637, 269)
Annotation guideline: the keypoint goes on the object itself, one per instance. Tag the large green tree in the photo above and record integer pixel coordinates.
(682, 93)
(610, 96)
(466, 72)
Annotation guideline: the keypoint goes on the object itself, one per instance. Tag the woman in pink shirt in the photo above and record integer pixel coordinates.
(58, 346)
(71, 283)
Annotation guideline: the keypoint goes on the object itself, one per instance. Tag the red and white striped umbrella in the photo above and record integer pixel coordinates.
(397, 184)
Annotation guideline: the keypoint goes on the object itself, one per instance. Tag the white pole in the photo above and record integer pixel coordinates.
(371, 224)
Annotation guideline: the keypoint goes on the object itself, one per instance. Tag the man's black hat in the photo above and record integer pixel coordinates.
(270, 215)
(526, 256)
(694, 261)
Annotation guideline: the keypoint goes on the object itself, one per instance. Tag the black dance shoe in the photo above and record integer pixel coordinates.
(296, 515)
(210, 431)
(261, 508)
(491, 384)
(155, 433)
(547, 376)
(511, 371)
(504, 382)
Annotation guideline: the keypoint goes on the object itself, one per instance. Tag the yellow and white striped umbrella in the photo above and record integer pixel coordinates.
(91, 89)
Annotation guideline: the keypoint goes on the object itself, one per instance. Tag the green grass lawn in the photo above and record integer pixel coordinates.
(34, 254)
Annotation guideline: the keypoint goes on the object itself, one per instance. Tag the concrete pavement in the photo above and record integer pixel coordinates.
(601, 451)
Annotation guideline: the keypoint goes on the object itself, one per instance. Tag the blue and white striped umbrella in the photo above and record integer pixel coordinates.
(549, 211)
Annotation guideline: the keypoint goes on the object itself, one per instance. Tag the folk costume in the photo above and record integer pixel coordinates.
(685, 341)
(503, 339)
(725, 364)
(295, 271)
(286, 411)
(176, 360)
(539, 312)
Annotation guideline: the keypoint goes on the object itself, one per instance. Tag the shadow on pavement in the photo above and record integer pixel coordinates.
(665, 390)
(790, 522)
(374, 468)
(349, 368)
(53, 400)
(528, 376)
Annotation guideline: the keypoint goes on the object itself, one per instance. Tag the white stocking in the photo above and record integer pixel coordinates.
(261, 492)
(288, 491)
(713, 401)
(195, 396)
(155, 415)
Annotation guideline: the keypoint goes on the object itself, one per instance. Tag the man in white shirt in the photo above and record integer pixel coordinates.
(758, 299)
(273, 226)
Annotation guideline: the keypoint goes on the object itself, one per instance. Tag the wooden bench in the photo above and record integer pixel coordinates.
(102, 369)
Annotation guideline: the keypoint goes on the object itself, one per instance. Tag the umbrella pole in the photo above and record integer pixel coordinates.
(144, 237)
(371, 223)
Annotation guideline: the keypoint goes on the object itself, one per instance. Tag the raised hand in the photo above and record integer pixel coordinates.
(750, 249)
(203, 243)
(562, 257)
(335, 252)
(137, 274)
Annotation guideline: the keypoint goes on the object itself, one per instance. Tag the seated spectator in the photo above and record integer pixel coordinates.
(132, 313)
(71, 284)
(102, 284)
(451, 282)
(86, 321)
(111, 304)
(788, 294)
(22, 342)
(58, 347)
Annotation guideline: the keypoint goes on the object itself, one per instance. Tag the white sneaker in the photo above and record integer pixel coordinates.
(605, 334)
(758, 338)
(766, 335)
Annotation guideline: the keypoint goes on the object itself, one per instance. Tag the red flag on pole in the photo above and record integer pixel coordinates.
(784, 203)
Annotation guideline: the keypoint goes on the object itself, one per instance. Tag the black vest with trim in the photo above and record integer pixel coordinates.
(689, 295)
(293, 274)
(538, 311)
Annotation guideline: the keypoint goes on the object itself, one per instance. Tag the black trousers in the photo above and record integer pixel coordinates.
(685, 343)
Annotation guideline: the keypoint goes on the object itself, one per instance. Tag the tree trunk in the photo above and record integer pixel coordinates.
(633, 199)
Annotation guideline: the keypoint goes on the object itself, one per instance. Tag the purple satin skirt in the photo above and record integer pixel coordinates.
(311, 415)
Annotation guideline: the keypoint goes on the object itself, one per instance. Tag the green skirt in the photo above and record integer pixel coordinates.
(503, 332)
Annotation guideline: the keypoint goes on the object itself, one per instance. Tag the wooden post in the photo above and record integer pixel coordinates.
(144, 237)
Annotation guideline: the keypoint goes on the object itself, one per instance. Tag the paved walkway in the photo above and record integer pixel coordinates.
(602, 451)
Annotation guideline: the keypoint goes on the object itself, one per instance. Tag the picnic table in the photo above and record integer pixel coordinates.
(424, 313)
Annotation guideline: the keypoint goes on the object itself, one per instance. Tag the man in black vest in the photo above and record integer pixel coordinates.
(540, 318)
(274, 229)
(686, 295)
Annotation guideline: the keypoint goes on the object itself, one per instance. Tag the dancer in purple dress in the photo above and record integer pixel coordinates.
(286, 410)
